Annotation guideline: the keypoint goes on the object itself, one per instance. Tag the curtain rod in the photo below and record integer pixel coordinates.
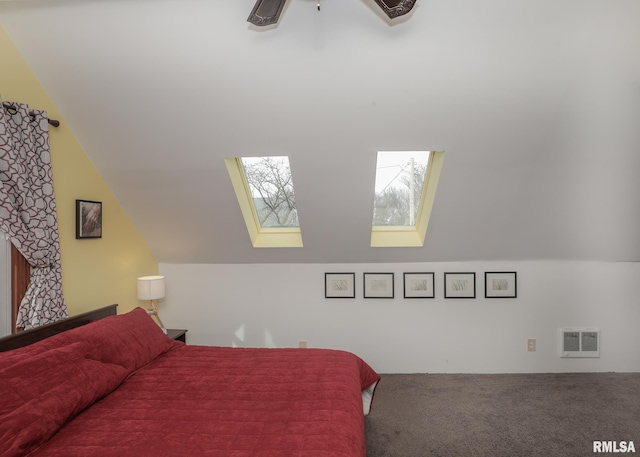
(53, 122)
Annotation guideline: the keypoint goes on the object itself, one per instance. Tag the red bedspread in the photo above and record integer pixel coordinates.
(199, 401)
(120, 387)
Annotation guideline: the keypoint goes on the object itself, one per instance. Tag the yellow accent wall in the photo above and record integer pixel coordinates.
(95, 272)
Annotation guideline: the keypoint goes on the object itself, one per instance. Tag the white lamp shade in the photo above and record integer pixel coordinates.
(150, 287)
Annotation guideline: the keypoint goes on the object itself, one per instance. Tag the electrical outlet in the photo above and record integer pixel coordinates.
(531, 345)
(302, 344)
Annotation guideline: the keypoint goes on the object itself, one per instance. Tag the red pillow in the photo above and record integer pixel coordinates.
(131, 340)
(41, 393)
(48, 383)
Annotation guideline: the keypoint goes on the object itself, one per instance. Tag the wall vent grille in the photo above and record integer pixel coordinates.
(579, 342)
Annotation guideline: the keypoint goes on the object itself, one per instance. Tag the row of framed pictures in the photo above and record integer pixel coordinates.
(497, 284)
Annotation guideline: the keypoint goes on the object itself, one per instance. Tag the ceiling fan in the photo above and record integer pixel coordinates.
(267, 12)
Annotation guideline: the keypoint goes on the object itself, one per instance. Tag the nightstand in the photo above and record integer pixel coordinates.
(177, 334)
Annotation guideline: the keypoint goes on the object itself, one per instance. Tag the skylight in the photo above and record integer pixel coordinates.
(405, 187)
(264, 188)
(271, 186)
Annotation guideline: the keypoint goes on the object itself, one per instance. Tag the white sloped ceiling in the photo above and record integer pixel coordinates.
(536, 103)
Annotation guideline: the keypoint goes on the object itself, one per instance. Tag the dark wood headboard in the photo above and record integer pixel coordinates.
(18, 340)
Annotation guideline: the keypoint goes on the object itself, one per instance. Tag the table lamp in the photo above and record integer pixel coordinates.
(152, 288)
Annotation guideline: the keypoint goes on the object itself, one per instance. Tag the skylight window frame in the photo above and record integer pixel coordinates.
(261, 237)
(413, 236)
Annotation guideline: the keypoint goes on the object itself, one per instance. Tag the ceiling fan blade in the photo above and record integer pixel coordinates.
(266, 12)
(395, 8)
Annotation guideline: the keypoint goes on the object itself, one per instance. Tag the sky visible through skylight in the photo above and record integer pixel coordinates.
(391, 166)
(398, 173)
(271, 187)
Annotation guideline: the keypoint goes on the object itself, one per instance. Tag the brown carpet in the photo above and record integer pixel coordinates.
(496, 415)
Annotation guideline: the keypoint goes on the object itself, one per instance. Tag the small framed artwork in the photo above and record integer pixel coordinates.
(88, 219)
(378, 285)
(339, 285)
(418, 285)
(500, 284)
(459, 285)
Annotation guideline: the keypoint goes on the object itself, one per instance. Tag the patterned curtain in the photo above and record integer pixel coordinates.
(28, 211)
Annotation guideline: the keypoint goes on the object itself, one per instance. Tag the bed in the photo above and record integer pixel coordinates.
(118, 386)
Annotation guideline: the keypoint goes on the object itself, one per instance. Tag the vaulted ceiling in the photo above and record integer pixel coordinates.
(536, 103)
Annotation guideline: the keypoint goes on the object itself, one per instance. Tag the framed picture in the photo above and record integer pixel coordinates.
(88, 219)
(339, 285)
(418, 285)
(378, 285)
(459, 285)
(500, 284)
